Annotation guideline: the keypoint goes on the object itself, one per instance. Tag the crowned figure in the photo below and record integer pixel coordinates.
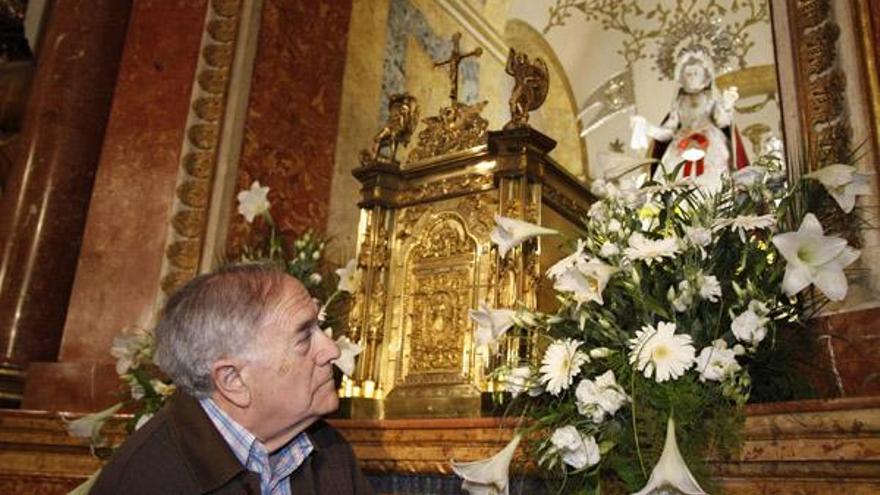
(699, 126)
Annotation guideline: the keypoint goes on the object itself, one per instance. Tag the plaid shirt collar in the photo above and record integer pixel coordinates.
(274, 470)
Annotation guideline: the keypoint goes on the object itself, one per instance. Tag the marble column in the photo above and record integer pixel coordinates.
(43, 209)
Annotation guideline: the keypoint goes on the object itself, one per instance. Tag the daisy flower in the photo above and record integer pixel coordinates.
(562, 362)
(661, 353)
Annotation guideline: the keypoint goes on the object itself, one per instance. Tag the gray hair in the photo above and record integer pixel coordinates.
(214, 316)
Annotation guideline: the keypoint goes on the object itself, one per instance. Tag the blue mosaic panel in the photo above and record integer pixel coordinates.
(405, 19)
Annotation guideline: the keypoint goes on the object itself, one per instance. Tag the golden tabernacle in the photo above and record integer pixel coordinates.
(425, 252)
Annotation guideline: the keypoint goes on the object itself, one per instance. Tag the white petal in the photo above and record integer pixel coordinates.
(671, 469)
(347, 352)
(797, 277)
(487, 473)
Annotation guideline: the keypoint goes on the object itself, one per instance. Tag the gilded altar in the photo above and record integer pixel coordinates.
(426, 259)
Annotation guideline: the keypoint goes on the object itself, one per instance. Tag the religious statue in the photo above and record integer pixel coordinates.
(403, 116)
(532, 80)
(698, 129)
(456, 127)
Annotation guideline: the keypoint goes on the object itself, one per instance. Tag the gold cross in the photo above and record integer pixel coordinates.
(454, 61)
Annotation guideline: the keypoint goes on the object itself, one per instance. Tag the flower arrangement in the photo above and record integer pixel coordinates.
(148, 389)
(668, 308)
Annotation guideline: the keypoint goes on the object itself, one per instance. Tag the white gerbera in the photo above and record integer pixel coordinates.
(641, 248)
(716, 362)
(745, 223)
(562, 362)
(661, 353)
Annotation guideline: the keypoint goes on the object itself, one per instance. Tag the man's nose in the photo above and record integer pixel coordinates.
(328, 350)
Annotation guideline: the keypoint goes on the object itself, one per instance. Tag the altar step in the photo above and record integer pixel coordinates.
(808, 447)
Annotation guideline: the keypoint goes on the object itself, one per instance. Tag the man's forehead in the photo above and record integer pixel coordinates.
(296, 302)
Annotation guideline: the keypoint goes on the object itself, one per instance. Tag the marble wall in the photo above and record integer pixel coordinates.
(293, 114)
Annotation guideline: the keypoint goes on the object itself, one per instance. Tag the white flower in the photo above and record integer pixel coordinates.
(614, 225)
(716, 362)
(750, 325)
(569, 261)
(585, 280)
(814, 258)
(660, 352)
(510, 232)
(347, 352)
(599, 188)
(253, 202)
(562, 362)
(315, 278)
(698, 236)
(671, 470)
(522, 379)
(597, 211)
(488, 476)
(130, 347)
(600, 352)
(162, 388)
(136, 389)
(600, 397)
(641, 248)
(608, 250)
(142, 421)
(747, 176)
(685, 297)
(577, 451)
(710, 288)
(349, 277)
(89, 426)
(491, 323)
(843, 183)
(745, 223)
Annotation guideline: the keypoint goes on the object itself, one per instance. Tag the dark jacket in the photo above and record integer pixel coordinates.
(180, 452)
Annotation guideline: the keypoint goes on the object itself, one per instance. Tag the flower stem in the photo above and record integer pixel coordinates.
(635, 429)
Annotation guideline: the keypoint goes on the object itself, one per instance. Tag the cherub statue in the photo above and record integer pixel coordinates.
(403, 116)
(532, 80)
(701, 120)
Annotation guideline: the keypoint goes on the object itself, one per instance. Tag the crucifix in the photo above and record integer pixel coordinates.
(454, 61)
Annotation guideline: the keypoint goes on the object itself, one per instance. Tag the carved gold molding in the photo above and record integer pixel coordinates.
(199, 154)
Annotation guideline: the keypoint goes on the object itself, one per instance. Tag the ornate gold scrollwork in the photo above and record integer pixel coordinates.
(446, 187)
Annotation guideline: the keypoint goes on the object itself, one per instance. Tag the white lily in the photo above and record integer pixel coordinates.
(130, 347)
(814, 258)
(585, 280)
(488, 476)
(491, 323)
(349, 277)
(254, 201)
(89, 426)
(671, 471)
(569, 261)
(843, 183)
(510, 232)
(347, 352)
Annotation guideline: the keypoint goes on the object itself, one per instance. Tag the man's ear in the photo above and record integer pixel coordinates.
(230, 383)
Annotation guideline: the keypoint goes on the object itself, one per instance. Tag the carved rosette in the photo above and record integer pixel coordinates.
(198, 159)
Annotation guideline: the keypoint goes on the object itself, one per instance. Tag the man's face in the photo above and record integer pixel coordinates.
(291, 380)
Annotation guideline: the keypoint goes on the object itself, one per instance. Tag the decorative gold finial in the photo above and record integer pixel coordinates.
(403, 116)
(532, 80)
(454, 60)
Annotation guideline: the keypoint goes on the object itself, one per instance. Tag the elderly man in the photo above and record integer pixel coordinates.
(255, 375)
